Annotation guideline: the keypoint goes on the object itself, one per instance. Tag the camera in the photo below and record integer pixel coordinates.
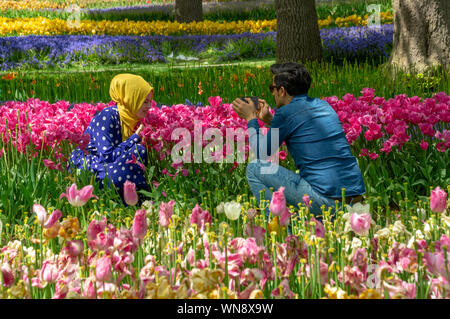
(253, 98)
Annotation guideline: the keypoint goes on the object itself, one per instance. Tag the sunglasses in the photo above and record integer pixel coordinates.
(272, 87)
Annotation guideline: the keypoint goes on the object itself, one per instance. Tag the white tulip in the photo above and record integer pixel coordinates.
(232, 210)
(358, 208)
(383, 233)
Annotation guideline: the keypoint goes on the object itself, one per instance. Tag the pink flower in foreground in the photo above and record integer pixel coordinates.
(77, 197)
(74, 247)
(41, 213)
(360, 223)
(438, 200)
(94, 228)
(140, 224)
(319, 228)
(165, 213)
(129, 193)
(103, 269)
(200, 217)
(258, 233)
(7, 274)
(285, 217)
(49, 272)
(278, 202)
(53, 219)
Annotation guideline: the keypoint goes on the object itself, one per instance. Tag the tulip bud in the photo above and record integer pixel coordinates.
(278, 202)
(140, 224)
(438, 200)
(129, 193)
(165, 213)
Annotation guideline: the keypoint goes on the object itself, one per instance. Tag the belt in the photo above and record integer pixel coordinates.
(348, 200)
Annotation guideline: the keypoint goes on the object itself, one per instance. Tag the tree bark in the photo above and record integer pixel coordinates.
(421, 34)
(188, 10)
(298, 36)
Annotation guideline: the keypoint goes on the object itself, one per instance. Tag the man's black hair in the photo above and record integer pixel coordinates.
(294, 77)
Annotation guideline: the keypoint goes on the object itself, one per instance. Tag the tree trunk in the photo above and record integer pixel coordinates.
(421, 34)
(298, 36)
(188, 10)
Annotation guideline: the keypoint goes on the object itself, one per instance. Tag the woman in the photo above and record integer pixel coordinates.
(113, 141)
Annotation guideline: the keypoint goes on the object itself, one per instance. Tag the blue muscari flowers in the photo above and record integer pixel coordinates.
(353, 43)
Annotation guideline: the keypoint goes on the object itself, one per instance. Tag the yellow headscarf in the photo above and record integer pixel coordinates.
(129, 91)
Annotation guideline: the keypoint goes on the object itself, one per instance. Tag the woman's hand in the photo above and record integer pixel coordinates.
(140, 128)
(263, 112)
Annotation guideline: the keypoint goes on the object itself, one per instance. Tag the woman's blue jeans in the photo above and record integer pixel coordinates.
(262, 175)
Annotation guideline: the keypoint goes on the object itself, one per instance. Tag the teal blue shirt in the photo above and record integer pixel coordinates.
(316, 140)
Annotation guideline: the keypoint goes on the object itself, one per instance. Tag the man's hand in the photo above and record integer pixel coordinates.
(139, 129)
(263, 112)
(244, 110)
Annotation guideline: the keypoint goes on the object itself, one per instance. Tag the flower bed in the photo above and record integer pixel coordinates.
(356, 43)
(228, 251)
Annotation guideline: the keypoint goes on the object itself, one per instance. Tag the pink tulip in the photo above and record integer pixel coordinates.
(129, 193)
(94, 228)
(258, 233)
(165, 213)
(360, 223)
(53, 219)
(74, 247)
(319, 229)
(135, 161)
(77, 197)
(285, 217)
(200, 217)
(140, 224)
(215, 101)
(103, 269)
(306, 200)
(8, 275)
(49, 272)
(278, 202)
(89, 288)
(41, 213)
(438, 201)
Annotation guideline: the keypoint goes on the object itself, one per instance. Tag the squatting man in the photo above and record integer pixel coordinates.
(314, 137)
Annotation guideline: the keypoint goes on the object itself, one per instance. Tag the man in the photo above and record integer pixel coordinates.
(314, 137)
